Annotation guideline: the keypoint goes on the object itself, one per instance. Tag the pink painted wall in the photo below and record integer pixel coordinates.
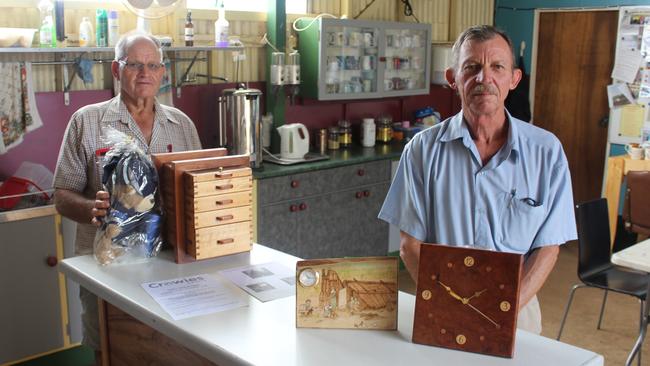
(199, 102)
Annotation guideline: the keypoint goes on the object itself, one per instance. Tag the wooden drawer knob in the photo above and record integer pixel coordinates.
(295, 184)
(293, 208)
(358, 195)
(223, 175)
(361, 172)
(303, 206)
(225, 218)
(224, 202)
(366, 193)
(223, 186)
(225, 241)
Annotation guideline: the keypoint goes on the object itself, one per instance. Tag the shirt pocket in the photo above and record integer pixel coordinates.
(519, 223)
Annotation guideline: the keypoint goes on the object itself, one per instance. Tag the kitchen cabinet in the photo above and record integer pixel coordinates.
(359, 59)
(325, 213)
(33, 310)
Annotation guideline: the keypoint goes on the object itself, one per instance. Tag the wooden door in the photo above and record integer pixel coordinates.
(575, 56)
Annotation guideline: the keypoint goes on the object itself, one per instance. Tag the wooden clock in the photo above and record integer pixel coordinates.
(467, 299)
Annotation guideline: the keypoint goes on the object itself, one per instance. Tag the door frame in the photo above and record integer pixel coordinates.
(533, 70)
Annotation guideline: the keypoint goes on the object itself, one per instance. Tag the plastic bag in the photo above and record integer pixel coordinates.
(131, 230)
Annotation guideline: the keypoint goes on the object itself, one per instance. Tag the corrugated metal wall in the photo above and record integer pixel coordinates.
(465, 13)
(447, 19)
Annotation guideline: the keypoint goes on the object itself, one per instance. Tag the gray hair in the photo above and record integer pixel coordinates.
(479, 33)
(129, 38)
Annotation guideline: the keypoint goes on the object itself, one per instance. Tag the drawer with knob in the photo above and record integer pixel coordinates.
(220, 240)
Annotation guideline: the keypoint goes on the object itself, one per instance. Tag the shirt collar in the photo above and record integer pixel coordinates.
(457, 129)
(117, 111)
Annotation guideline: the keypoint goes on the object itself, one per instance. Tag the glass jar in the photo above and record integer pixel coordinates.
(384, 130)
(333, 138)
(345, 133)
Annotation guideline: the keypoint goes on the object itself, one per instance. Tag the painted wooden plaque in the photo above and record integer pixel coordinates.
(467, 299)
(349, 293)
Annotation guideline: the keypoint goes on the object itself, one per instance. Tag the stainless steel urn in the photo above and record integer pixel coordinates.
(240, 123)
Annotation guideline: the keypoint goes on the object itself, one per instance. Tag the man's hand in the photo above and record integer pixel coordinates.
(100, 208)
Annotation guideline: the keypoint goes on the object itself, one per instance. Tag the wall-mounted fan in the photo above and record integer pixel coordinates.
(147, 10)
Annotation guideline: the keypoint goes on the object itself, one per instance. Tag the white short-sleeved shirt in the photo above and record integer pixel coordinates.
(520, 200)
(79, 167)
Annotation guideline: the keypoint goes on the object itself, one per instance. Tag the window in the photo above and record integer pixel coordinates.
(293, 6)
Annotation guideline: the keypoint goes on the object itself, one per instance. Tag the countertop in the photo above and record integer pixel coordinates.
(266, 334)
(346, 156)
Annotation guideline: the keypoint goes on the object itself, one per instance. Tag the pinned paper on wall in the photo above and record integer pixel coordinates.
(627, 65)
(619, 95)
(631, 120)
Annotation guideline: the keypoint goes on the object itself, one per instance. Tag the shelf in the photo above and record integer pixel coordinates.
(108, 49)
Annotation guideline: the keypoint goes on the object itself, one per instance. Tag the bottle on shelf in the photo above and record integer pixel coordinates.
(86, 33)
(59, 22)
(101, 22)
(221, 26)
(113, 28)
(47, 31)
(189, 30)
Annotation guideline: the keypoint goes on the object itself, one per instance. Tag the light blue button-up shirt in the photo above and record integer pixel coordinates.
(520, 200)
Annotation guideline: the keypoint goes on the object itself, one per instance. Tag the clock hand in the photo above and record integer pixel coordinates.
(451, 292)
(483, 315)
(476, 294)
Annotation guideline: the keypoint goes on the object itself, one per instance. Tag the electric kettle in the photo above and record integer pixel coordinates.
(294, 141)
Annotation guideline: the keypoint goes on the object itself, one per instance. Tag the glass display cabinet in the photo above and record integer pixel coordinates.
(358, 59)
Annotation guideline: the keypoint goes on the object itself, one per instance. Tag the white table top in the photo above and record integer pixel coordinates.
(636, 257)
(265, 333)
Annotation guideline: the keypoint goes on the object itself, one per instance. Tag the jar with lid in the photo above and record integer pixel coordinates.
(345, 133)
(384, 130)
(333, 138)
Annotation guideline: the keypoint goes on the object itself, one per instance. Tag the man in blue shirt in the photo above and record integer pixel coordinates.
(483, 178)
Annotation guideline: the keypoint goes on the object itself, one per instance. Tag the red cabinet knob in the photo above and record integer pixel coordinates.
(366, 193)
(293, 208)
(361, 172)
(295, 184)
(51, 261)
(358, 195)
(303, 206)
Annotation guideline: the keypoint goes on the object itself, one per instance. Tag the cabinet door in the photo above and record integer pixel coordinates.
(343, 224)
(405, 55)
(349, 60)
(276, 226)
(30, 310)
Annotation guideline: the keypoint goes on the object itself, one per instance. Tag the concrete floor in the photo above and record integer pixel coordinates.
(620, 325)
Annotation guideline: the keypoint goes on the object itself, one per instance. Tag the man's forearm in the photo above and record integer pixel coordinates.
(536, 270)
(410, 253)
(74, 205)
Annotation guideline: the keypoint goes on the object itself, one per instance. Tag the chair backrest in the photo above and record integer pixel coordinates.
(593, 236)
(637, 202)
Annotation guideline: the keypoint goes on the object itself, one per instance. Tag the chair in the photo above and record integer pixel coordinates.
(636, 212)
(594, 266)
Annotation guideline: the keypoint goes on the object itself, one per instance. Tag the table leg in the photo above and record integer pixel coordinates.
(644, 327)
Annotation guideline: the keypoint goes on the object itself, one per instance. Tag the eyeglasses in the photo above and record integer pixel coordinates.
(139, 66)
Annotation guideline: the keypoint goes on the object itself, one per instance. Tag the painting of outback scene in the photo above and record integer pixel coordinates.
(354, 293)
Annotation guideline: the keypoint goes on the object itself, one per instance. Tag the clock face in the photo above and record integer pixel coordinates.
(467, 299)
(308, 277)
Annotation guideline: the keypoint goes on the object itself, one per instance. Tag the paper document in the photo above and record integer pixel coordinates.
(631, 120)
(268, 281)
(192, 296)
(619, 95)
(627, 65)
